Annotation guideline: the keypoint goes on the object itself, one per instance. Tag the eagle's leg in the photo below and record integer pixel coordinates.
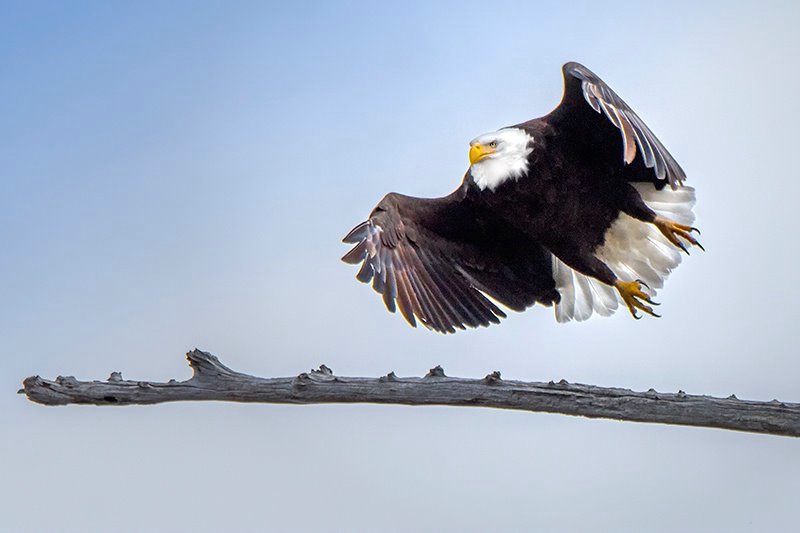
(634, 297)
(634, 206)
(674, 232)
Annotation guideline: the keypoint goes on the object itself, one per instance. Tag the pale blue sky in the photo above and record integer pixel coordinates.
(181, 175)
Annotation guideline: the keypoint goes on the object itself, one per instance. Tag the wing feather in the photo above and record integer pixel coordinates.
(431, 260)
(458, 301)
(635, 133)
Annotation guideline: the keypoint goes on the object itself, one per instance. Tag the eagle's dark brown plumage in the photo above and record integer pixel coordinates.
(564, 210)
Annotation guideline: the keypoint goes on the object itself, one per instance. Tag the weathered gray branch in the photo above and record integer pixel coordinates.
(211, 380)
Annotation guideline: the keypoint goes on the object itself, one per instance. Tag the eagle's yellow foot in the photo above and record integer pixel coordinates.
(674, 232)
(633, 296)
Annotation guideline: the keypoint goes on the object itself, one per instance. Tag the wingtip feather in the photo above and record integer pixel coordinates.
(357, 234)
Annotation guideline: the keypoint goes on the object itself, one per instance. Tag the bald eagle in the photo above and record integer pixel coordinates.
(581, 209)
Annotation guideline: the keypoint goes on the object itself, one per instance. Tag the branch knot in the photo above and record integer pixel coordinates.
(390, 377)
(435, 372)
(206, 366)
(492, 378)
(321, 375)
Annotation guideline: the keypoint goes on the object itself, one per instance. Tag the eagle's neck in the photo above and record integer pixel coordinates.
(509, 163)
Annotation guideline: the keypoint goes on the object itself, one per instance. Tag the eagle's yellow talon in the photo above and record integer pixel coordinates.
(633, 296)
(674, 232)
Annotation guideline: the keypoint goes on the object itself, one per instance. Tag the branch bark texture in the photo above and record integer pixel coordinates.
(211, 380)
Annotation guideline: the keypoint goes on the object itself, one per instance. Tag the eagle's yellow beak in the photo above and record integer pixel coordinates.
(478, 152)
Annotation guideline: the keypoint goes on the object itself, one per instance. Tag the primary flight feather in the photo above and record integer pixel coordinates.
(582, 209)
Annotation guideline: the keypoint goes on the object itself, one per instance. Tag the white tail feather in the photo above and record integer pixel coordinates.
(632, 250)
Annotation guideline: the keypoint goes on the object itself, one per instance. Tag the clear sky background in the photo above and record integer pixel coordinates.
(180, 174)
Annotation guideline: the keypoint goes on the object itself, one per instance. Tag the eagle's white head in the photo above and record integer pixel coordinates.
(499, 156)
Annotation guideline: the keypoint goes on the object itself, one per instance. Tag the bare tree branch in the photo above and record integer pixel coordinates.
(211, 380)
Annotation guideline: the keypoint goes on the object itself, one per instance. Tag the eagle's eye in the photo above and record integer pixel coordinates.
(493, 144)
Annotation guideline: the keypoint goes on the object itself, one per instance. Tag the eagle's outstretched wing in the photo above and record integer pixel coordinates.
(436, 261)
(583, 89)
